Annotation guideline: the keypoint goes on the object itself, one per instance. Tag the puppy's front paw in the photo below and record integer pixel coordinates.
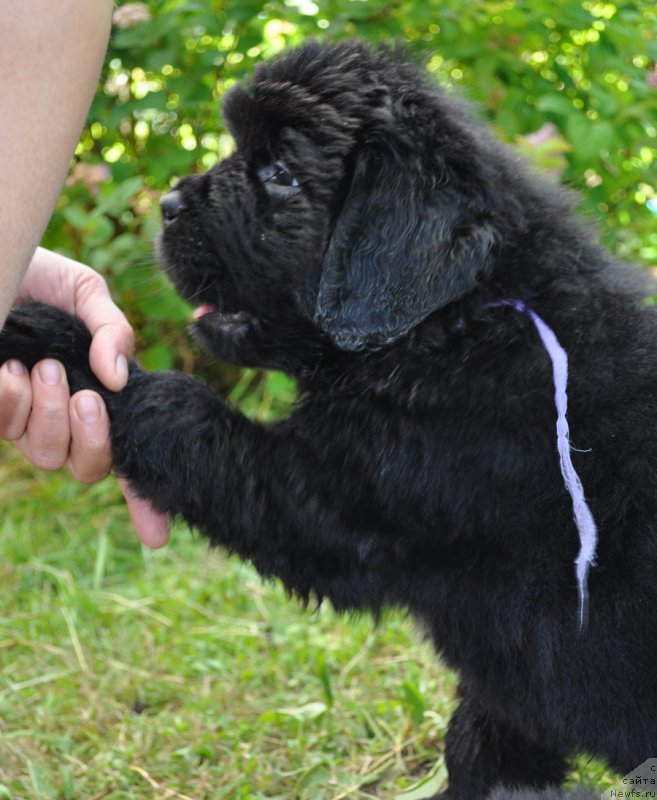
(37, 331)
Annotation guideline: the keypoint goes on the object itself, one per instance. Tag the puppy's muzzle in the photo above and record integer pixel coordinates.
(171, 205)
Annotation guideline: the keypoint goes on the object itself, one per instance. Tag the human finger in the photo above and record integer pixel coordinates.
(90, 455)
(15, 399)
(112, 337)
(47, 435)
(152, 527)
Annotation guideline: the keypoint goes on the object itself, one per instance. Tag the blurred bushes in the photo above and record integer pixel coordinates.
(572, 83)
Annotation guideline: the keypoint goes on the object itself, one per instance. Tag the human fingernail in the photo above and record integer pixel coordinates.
(88, 408)
(16, 367)
(122, 368)
(50, 372)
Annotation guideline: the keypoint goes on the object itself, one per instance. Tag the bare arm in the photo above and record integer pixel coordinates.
(50, 59)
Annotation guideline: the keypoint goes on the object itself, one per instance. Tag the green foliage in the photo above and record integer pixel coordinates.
(571, 83)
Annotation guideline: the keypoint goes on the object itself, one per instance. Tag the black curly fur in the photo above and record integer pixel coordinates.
(420, 469)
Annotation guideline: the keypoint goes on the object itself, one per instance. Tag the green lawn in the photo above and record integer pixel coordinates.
(126, 673)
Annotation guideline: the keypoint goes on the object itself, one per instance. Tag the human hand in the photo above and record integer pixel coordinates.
(37, 412)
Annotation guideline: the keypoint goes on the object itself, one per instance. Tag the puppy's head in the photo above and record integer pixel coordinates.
(358, 201)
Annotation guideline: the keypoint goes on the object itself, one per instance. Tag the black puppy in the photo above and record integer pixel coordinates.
(366, 237)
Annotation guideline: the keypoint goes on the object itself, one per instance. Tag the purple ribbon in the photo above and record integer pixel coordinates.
(588, 534)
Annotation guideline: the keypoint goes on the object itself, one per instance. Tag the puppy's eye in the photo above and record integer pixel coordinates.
(277, 174)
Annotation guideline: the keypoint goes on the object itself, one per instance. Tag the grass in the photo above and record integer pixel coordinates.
(126, 673)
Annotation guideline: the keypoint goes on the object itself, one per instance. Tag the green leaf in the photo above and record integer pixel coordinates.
(606, 103)
(589, 138)
(77, 216)
(557, 104)
(428, 786)
(311, 782)
(118, 197)
(68, 792)
(40, 781)
(415, 701)
(157, 357)
(305, 713)
(99, 231)
(325, 678)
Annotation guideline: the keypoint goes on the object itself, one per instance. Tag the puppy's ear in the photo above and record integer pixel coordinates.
(406, 243)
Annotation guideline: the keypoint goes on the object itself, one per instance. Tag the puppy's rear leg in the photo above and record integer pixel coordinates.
(483, 752)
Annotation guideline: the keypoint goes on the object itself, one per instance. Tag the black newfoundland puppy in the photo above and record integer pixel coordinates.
(370, 238)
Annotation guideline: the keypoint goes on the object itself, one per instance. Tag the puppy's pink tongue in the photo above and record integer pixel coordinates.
(201, 311)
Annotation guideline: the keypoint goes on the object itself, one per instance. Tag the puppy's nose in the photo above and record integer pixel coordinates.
(171, 205)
